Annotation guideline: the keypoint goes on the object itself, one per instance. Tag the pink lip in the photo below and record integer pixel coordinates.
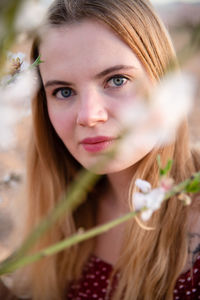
(96, 144)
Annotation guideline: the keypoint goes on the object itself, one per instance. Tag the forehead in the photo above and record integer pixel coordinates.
(86, 45)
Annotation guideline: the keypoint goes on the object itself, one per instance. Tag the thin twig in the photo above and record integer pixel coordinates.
(13, 263)
(66, 243)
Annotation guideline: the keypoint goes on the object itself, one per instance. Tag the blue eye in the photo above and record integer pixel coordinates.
(117, 81)
(63, 93)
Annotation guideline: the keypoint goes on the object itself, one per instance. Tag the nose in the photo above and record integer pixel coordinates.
(91, 110)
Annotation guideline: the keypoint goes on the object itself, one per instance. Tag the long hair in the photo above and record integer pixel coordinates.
(150, 261)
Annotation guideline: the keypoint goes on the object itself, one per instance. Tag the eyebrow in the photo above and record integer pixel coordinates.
(97, 76)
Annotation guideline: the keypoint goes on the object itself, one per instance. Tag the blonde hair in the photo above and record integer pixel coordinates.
(150, 261)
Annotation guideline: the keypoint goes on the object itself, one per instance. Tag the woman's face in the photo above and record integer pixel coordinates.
(90, 79)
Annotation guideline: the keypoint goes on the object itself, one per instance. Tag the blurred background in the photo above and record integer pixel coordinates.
(182, 20)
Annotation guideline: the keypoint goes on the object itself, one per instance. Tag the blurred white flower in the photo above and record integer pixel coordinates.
(8, 119)
(15, 104)
(154, 120)
(172, 101)
(17, 88)
(150, 200)
(30, 16)
(19, 58)
(21, 89)
(143, 185)
(135, 114)
(15, 64)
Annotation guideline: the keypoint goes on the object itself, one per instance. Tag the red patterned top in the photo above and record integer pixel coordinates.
(95, 279)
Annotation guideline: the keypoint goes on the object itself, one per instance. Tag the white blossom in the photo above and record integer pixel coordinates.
(17, 88)
(24, 65)
(143, 185)
(135, 114)
(153, 121)
(172, 101)
(14, 105)
(31, 15)
(146, 215)
(147, 201)
(154, 198)
(8, 119)
(21, 89)
(15, 64)
(138, 201)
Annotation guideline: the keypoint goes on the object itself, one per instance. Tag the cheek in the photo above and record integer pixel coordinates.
(126, 112)
(62, 121)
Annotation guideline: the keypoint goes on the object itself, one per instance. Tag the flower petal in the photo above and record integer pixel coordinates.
(146, 215)
(138, 201)
(143, 185)
(155, 198)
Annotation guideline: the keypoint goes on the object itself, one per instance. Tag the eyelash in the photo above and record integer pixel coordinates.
(118, 76)
(55, 92)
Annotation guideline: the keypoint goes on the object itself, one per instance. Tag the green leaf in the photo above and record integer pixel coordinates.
(193, 186)
(37, 62)
(167, 168)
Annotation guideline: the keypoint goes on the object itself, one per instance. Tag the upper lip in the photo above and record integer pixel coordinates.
(96, 139)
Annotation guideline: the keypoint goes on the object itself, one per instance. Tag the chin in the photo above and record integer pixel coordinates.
(109, 167)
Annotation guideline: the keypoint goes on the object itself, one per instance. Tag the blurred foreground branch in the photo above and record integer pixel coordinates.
(15, 261)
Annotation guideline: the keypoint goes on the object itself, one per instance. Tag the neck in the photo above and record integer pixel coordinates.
(118, 189)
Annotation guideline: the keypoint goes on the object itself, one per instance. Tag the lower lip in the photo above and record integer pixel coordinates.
(97, 147)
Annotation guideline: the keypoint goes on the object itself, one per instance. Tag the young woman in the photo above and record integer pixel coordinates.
(94, 51)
